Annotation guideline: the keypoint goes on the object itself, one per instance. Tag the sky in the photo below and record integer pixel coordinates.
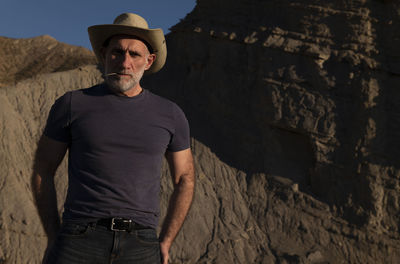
(68, 20)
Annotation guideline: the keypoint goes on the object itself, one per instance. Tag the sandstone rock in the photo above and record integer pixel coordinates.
(292, 107)
(303, 92)
(23, 111)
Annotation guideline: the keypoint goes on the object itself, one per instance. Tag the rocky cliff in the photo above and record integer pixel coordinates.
(303, 91)
(294, 116)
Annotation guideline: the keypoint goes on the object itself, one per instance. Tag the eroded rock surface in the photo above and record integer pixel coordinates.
(305, 92)
(293, 111)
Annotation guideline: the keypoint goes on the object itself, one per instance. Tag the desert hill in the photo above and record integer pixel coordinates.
(293, 107)
(25, 58)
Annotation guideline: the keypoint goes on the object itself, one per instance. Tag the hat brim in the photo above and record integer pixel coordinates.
(155, 37)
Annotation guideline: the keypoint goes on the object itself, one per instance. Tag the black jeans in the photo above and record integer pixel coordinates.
(77, 243)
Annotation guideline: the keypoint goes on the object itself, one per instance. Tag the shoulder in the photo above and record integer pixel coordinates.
(91, 90)
(85, 95)
(98, 89)
(162, 103)
(63, 100)
(73, 97)
(159, 99)
(166, 108)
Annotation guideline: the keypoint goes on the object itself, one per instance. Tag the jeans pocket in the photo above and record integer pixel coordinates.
(74, 230)
(147, 236)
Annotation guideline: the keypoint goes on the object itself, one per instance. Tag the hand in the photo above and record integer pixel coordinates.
(50, 244)
(164, 248)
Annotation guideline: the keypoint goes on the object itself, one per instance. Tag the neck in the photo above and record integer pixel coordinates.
(134, 91)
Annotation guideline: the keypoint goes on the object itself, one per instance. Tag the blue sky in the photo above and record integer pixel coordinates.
(68, 20)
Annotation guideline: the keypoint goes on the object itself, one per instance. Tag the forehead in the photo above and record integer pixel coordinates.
(127, 42)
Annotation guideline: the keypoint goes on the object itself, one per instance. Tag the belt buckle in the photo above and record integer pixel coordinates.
(124, 221)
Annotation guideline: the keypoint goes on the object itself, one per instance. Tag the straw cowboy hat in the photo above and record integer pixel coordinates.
(135, 25)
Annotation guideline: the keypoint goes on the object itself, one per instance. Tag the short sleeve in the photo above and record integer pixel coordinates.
(58, 121)
(181, 137)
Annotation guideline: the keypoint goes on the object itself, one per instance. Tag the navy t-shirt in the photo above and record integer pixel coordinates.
(116, 145)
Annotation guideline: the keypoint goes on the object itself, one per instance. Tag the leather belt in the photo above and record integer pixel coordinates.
(120, 224)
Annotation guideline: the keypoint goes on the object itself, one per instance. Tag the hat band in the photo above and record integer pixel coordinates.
(149, 47)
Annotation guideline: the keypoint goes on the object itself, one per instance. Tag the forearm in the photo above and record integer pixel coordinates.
(182, 172)
(178, 208)
(46, 201)
(48, 157)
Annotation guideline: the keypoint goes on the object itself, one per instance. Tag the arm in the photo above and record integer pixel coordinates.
(48, 157)
(182, 171)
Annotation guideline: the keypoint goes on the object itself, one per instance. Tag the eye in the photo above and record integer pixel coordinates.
(134, 54)
(117, 52)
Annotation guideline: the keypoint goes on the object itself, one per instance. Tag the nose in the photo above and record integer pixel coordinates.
(126, 60)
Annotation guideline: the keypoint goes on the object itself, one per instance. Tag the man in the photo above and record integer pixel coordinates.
(116, 133)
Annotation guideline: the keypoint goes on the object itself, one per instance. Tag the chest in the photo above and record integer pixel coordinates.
(122, 129)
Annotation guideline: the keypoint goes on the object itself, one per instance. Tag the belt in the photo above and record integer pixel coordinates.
(120, 224)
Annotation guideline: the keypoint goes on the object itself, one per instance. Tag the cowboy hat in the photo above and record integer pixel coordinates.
(135, 25)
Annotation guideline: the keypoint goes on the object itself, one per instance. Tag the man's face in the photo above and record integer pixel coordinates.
(125, 60)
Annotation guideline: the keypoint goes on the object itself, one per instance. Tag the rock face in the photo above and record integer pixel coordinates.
(293, 112)
(304, 92)
(23, 111)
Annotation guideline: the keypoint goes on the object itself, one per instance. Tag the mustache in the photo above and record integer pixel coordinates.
(118, 73)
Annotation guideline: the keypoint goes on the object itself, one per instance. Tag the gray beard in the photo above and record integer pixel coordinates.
(121, 86)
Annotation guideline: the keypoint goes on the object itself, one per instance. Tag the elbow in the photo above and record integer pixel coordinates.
(186, 182)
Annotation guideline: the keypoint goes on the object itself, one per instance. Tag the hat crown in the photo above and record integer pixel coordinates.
(132, 20)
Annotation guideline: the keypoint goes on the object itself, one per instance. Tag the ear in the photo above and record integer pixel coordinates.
(150, 59)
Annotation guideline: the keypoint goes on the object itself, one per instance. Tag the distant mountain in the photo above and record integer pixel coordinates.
(24, 58)
(294, 119)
